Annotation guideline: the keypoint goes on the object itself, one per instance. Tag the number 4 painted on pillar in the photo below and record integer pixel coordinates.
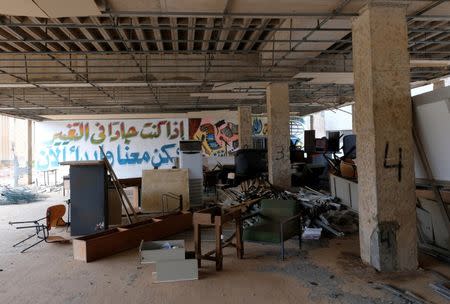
(398, 165)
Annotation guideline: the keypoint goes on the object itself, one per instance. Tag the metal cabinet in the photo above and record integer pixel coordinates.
(88, 197)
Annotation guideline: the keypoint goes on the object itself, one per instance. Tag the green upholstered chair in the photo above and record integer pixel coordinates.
(280, 220)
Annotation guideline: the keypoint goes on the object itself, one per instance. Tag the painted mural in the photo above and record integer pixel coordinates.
(130, 145)
(219, 136)
(259, 126)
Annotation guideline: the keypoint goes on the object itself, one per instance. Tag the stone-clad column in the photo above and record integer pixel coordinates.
(245, 127)
(387, 211)
(278, 134)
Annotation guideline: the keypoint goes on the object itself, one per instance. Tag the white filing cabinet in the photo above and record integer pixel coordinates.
(191, 158)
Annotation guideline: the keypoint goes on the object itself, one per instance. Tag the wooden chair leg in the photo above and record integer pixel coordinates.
(239, 242)
(219, 255)
(198, 244)
(282, 242)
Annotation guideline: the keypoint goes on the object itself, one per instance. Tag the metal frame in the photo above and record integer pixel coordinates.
(38, 227)
(204, 47)
(282, 224)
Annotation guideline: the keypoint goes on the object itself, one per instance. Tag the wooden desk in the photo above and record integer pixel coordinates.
(216, 217)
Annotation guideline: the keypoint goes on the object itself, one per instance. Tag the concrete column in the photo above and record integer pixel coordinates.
(278, 134)
(245, 127)
(30, 151)
(387, 211)
(353, 119)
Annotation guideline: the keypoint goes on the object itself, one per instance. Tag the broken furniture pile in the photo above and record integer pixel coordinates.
(325, 211)
(247, 195)
(320, 210)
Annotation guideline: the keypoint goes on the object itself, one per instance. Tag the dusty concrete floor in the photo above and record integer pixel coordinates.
(323, 272)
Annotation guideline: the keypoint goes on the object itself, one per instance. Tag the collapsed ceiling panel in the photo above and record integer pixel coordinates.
(143, 56)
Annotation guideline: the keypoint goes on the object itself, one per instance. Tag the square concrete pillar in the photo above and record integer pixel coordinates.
(385, 159)
(278, 134)
(245, 127)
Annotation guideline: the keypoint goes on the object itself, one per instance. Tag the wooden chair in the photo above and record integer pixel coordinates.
(54, 218)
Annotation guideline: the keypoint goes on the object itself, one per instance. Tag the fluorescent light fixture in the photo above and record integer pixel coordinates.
(33, 108)
(99, 84)
(16, 85)
(65, 85)
(419, 63)
(227, 95)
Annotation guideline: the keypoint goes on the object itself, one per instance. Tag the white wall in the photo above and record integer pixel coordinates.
(338, 119)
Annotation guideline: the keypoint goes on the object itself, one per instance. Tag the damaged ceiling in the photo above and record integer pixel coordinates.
(99, 57)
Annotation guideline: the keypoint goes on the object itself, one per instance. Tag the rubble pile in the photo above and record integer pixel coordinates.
(325, 211)
(321, 211)
(257, 188)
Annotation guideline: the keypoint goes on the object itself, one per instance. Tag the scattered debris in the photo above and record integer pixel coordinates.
(405, 294)
(49, 189)
(321, 211)
(17, 195)
(257, 188)
(311, 233)
(325, 211)
(442, 288)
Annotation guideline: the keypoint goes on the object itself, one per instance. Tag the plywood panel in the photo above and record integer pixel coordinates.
(114, 208)
(157, 182)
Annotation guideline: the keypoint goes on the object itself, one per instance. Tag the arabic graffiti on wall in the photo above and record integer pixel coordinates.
(129, 145)
(219, 137)
(259, 126)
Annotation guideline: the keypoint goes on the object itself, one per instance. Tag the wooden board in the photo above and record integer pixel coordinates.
(114, 208)
(99, 245)
(429, 194)
(157, 182)
(113, 199)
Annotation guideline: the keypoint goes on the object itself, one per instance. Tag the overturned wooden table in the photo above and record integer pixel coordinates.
(216, 217)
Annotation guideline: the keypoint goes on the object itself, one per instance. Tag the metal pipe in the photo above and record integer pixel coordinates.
(81, 40)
